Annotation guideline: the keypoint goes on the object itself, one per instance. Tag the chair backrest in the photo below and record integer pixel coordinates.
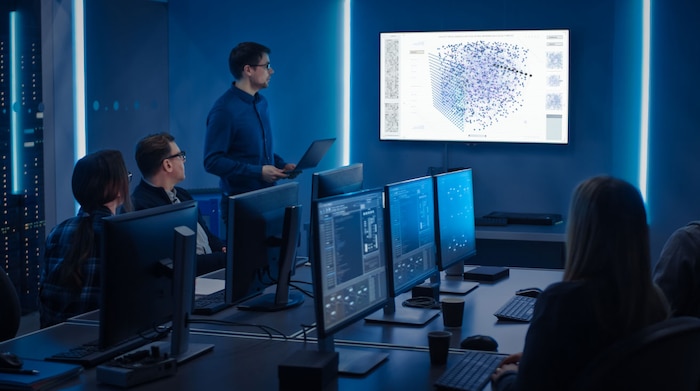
(662, 356)
(10, 310)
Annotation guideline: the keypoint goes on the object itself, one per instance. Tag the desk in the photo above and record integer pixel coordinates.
(248, 360)
(241, 363)
(521, 246)
(479, 307)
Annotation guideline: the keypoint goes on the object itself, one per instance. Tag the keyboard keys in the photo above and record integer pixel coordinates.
(210, 304)
(518, 308)
(471, 373)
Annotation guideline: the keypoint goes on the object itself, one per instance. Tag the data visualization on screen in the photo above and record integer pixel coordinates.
(351, 264)
(410, 208)
(473, 86)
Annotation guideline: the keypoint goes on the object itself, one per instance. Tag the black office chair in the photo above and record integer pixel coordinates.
(663, 356)
(10, 310)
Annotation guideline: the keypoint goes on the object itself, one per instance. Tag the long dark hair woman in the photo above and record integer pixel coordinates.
(606, 294)
(70, 277)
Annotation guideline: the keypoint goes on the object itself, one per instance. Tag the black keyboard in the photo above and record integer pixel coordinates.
(518, 308)
(90, 354)
(210, 304)
(471, 373)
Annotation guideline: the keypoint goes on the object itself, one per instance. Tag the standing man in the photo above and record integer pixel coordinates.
(238, 145)
(162, 166)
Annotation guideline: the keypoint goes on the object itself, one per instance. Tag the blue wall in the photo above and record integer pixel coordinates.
(306, 94)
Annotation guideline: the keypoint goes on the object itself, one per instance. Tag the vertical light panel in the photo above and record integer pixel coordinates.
(346, 82)
(15, 105)
(644, 109)
(79, 135)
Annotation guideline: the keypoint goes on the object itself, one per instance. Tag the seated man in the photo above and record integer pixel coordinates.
(678, 271)
(162, 166)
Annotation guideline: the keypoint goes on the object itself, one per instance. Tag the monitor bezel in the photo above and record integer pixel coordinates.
(442, 265)
(127, 282)
(317, 270)
(259, 202)
(417, 279)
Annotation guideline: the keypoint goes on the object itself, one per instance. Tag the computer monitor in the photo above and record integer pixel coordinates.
(141, 257)
(410, 255)
(455, 230)
(349, 276)
(336, 181)
(262, 238)
(184, 270)
(340, 180)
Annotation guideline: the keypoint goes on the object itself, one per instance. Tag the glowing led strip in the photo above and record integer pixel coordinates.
(80, 131)
(15, 105)
(644, 120)
(346, 83)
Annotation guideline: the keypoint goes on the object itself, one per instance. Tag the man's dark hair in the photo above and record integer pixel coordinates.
(245, 53)
(151, 151)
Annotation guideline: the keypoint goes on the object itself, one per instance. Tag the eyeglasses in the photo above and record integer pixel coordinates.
(266, 65)
(181, 154)
(129, 175)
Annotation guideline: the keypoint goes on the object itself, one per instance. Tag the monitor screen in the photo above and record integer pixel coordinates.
(474, 86)
(454, 212)
(255, 240)
(137, 288)
(336, 181)
(349, 276)
(410, 217)
(339, 180)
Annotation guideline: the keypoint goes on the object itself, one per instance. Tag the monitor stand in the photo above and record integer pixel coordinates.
(453, 282)
(192, 350)
(392, 314)
(269, 302)
(184, 254)
(355, 362)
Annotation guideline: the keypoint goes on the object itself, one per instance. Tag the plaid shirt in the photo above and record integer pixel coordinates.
(59, 302)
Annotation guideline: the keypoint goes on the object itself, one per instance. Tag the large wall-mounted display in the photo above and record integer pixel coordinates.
(475, 86)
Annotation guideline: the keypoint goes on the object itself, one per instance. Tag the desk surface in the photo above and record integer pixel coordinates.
(479, 306)
(248, 359)
(243, 363)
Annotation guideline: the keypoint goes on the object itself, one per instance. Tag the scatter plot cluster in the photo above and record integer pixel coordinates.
(555, 60)
(554, 81)
(476, 84)
(554, 102)
(392, 66)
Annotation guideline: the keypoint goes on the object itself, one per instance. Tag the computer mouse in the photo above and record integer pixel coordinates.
(529, 292)
(480, 342)
(10, 360)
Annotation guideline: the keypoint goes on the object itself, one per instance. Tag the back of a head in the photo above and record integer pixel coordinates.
(607, 232)
(245, 53)
(98, 178)
(608, 247)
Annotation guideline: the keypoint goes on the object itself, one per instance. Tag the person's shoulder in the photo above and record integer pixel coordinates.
(183, 194)
(565, 290)
(689, 233)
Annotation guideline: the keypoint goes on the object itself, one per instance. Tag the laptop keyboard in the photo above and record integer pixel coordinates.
(471, 373)
(210, 304)
(518, 308)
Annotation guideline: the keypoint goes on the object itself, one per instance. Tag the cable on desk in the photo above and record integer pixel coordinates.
(305, 328)
(422, 302)
(307, 293)
(267, 329)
